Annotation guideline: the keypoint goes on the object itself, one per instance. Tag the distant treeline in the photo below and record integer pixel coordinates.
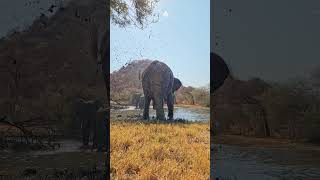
(256, 108)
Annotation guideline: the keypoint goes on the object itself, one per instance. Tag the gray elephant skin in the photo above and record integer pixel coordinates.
(141, 102)
(135, 99)
(158, 85)
(91, 116)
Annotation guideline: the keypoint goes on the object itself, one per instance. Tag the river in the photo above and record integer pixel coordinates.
(251, 163)
(189, 113)
(68, 156)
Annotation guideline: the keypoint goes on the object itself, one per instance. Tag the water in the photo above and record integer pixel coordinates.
(180, 112)
(67, 156)
(192, 114)
(235, 162)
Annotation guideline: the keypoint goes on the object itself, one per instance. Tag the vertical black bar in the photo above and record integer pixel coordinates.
(106, 73)
(211, 88)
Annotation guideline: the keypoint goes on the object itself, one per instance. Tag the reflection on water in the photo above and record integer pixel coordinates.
(65, 146)
(187, 113)
(258, 163)
(192, 114)
(68, 155)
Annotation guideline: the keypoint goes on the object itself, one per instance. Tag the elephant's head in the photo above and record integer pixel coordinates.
(219, 71)
(176, 84)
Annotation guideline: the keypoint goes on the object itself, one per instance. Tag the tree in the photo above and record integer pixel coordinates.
(122, 14)
(136, 12)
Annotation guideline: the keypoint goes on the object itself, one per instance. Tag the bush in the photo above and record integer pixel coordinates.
(201, 96)
(312, 118)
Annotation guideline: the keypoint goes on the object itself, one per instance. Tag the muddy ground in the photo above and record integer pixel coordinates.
(237, 157)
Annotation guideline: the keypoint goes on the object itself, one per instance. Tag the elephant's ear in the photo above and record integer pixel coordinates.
(176, 84)
(219, 71)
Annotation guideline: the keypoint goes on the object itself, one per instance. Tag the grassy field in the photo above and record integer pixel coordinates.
(142, 150)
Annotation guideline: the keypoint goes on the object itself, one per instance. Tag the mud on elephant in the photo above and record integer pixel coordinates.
(159, 85)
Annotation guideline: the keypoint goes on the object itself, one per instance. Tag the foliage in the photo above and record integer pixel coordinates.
(283, 109)
(201, 96)
(312, 118)
(136, 12)
(290, 109)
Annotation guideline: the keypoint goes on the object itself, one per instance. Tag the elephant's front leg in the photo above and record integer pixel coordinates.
(94, 133)
(159, 108)
(101, 129)
(153, 105)
(170, 101)
(137, 99)
(146, 107)
(85, 132)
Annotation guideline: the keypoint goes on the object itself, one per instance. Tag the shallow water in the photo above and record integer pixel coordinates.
(246, 163)
(187, 113)
(192, 114)
(68, 156)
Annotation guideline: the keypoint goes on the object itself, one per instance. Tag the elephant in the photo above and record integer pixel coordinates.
(101, 128)
(141, 102)
(159, 84)
(135, 99)
(88, 116)
(219, 71)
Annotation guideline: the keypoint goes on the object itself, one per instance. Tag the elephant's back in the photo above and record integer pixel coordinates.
(157, 69)
(157, 77)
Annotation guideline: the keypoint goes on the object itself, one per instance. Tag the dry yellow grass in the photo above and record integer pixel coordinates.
(160, 151)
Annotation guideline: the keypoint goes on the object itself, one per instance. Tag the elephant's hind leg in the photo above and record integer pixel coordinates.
(159, 108)
(146, 108)
(85, 132)
(170, 106)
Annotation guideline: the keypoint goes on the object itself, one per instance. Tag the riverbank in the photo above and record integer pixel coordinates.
(191, 106)
(265, 143)
(125, 105)
(188, 114)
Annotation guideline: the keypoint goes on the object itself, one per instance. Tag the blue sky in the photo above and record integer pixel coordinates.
(181, 39)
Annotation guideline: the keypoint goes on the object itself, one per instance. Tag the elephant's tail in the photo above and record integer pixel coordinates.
(139, 75)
